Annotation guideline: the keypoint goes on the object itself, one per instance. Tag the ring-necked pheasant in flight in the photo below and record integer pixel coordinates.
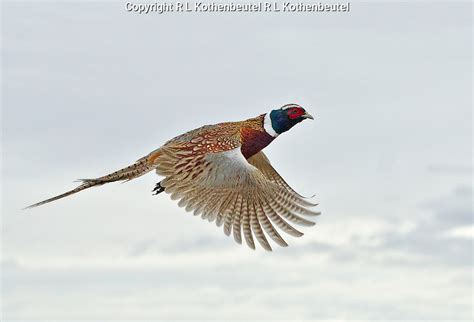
(220, 172)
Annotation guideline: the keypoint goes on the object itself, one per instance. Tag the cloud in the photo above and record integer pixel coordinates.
(427, 241)
(463, 232)
(451, 169)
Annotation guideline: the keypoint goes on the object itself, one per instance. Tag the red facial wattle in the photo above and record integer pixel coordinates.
(296, 112)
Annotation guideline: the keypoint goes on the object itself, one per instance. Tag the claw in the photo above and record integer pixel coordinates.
(158, 189)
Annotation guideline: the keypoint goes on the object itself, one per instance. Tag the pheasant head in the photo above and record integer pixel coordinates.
(281, 120)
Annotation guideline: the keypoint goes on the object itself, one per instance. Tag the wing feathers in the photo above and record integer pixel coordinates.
(230, 213)
(268, 227)
(283, 211)
(229, 203)
(237, 228)
(248, 198)
(246, 224)
(261, 162)
(257, 229)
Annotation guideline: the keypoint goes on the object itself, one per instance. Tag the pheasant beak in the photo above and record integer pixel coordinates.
(306, 115)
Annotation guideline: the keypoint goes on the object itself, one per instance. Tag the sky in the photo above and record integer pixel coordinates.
(88, 88)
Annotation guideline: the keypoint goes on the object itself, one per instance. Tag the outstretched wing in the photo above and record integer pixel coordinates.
(261, 162)
(212, 178)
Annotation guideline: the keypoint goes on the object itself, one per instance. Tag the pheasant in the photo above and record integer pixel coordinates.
(220, 173)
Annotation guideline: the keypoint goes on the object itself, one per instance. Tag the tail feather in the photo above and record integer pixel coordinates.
(139, 168)
(85, 185)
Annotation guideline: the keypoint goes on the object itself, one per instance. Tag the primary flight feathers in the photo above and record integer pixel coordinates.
(219, 172)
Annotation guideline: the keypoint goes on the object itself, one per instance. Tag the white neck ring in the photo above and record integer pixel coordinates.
(267, 125)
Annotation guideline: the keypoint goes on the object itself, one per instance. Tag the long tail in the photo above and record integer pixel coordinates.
(139, 168)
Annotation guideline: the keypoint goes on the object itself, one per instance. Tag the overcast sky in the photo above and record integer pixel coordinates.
(89, 88)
